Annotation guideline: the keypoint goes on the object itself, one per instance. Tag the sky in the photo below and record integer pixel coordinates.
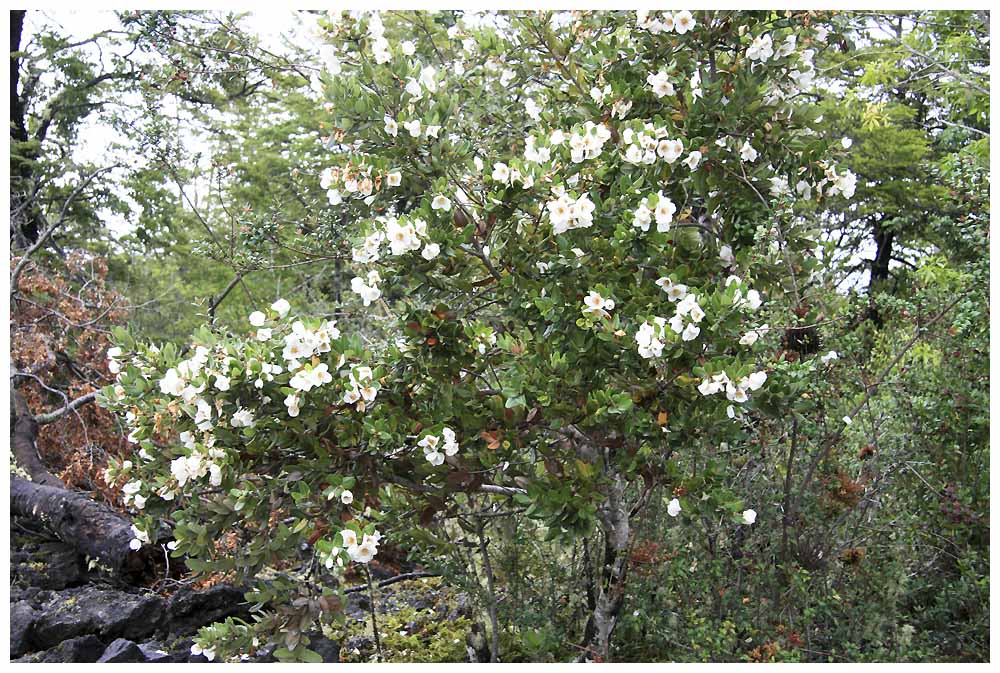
(98, 140)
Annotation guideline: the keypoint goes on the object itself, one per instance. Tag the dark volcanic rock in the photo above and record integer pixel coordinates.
(188, 610)
(49, 565)
(91, 610)
(22, 618)
(326, 648)
(121, 651)
(154, 652)
(82, 650)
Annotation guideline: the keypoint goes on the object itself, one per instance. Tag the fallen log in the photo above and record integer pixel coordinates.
(90, 527)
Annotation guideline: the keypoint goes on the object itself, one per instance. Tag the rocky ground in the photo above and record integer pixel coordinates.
(62, 612)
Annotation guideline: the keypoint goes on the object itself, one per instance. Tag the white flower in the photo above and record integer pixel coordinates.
(214, 475)
(441, 202)
(674, 508)
(832, 355)
(565, 213)
(747, 152)
(450, 443)
(754, 300)
(693, 159)
(648, 340)
(222, 382)
(307, 379)
(532, 109)
(292, 402)
(660, 84)
(257, 319)
(369, 291)
(803, 189)
(171, 383)
(749, 516)
(683, 22)
(761, 48)
(779, 186)
(391, 127)
(347, 497)
(430, 251)
(726, 255)
(366, 551)
(334, 197)
(394, 179)
(242, 418)
(402, 237)
(282, 307)
(501, 172)
(642, 217)
(349, 537)
(751, 337)
(432, 131)
(847, 420)
(621, 108)
(597, 304)
(203, 416)
(756, 380)
(670, 150)
(413, 127)
(690, 332)
(408, 48)
(846, 142)
(664, 212)
(696, 91)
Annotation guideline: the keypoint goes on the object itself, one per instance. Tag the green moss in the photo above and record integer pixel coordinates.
(409, 635)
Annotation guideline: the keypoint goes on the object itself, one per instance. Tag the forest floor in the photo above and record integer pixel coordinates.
(61, 611)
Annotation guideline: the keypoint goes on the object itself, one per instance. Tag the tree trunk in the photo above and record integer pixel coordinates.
(883, 254)
(23, 431)
(88, 526)
(614, 519)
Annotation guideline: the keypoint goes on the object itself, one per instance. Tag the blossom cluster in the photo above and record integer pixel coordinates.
(667, 22)
(402, 237)
(203, 389)
(736, 391)
(363, 387)
(356, 182)
(749, 300)
(567, 213)
(655, 206)
(367, 286)
(649, 337)
(646, 145)
(508, 175)
(363, 551)
(585, 143)
(379, 45)
(436, 447)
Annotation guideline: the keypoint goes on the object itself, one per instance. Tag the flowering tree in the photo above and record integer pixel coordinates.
(576, 223)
